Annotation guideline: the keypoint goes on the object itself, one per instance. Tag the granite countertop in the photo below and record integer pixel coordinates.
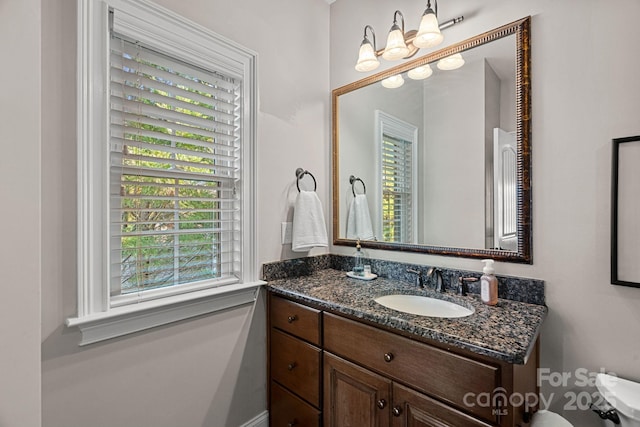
(505, 332)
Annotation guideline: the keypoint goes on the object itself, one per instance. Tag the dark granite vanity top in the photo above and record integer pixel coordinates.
(506, 332)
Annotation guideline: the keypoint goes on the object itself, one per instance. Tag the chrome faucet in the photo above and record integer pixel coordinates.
(419, 279)
(439, 285)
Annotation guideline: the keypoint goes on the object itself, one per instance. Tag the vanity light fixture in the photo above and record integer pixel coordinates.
(429, 34)
(420, 73)
(393, 82)
(401, 44)
(367, 58)
(396, 46)
(451, 62)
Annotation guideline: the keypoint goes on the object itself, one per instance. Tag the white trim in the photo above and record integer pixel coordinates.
(161, 293)
(134, 318)
(159, 27)
(142, 16)
(91, 113)
(261, 420)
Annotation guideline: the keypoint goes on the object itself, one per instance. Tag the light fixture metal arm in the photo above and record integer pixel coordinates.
(373, 33)
(435, 9)
(395, 19)
(450, 22)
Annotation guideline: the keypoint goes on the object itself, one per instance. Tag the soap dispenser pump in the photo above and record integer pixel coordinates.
(488, 284)
(358, 266)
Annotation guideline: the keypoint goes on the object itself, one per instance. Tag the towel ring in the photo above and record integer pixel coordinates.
(352, 181)
(300, 173)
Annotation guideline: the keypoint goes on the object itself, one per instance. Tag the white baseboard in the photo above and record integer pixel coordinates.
(261, 420)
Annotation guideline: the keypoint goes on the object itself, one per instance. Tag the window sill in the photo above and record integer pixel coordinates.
(138, 317)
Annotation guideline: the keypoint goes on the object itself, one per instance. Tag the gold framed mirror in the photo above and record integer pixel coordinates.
(439, 164)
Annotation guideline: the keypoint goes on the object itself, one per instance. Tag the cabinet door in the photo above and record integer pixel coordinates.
(413, 409)
(354, 396)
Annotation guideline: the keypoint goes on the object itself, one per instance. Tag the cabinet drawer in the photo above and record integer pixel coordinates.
(296, 319)
(296, 365)
(289, 410)
(431, 370)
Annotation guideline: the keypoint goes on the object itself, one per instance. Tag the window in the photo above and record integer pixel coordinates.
(174, 149)
(397, 142)
(166, 192)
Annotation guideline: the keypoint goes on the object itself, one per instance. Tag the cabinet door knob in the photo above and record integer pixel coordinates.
(382, 403)
(292, 423)
(291, 365)
(396, 411)
(292, 319)
(388, 357)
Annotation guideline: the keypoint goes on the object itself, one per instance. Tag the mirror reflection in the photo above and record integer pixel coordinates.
(427, 157)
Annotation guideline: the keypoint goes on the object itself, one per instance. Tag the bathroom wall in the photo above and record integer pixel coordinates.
(460, 92)
(205, 372)
(584, 93)
(20, 215)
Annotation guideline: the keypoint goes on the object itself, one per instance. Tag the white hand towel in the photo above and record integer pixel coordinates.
(309, 229)
(359, 220)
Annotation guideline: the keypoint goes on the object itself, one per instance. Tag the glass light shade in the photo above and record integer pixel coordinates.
(429, 34)
(393, 82)
(451, 62)
(367, 59)
(420, 73)
(396, 47)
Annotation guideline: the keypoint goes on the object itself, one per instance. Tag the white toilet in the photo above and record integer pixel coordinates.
(622, 397)
(544, 418)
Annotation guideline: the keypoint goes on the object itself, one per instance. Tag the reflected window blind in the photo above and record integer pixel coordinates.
(174, 165)
(396, 189)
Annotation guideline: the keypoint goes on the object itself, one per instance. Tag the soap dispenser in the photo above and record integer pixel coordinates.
(358, 266)
(488, 284)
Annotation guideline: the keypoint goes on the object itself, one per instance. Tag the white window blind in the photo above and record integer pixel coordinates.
(175, 151)
(397, 189)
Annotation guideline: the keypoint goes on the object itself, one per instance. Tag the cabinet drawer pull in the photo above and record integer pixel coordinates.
(292, 423)
(396, 411)
(388, 357)
(291, 365)
(292, 319)
(382, 403)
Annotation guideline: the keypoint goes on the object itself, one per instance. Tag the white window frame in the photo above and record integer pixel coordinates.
(97, 318)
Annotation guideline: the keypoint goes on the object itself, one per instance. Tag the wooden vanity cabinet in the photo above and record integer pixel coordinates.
(439, 373)
(295, 364)
(376, 378)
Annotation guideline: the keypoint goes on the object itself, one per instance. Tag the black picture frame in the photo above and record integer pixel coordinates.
(617, 178)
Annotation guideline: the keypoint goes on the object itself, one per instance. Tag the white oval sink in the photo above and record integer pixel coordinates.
(424, 306)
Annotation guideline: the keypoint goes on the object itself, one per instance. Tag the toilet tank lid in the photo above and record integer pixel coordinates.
(624, 395)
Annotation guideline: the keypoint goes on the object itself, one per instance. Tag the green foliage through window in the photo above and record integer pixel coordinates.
(174, 163)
